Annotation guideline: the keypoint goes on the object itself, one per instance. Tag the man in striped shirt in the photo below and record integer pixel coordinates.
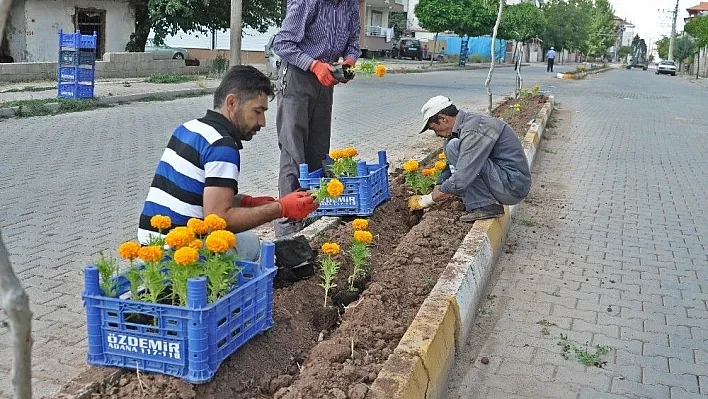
(313, 36)
(197, 174)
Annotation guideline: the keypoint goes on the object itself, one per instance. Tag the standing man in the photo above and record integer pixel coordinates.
(313, 36)
(551, 55)
(487, 166)
(198, 172)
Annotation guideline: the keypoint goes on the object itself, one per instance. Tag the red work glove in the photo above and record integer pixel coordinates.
(349, 61)
(249, 202)
(324, 73)
(297, 205)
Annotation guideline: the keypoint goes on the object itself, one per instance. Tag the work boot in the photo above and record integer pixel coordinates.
(487, 212)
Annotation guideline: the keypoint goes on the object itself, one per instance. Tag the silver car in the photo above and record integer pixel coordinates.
(165, 52)
(666, 67)
(272, 60)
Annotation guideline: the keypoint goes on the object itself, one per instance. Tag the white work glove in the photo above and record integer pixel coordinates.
(418, 202)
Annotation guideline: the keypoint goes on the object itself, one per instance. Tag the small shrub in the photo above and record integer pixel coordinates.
(169, 78)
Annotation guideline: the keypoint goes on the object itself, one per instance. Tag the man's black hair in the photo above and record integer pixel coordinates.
(244, 81)
(450, 110)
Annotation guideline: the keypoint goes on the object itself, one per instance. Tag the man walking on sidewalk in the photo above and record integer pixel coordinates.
(487, 166)
(313, 36)
(551, 55)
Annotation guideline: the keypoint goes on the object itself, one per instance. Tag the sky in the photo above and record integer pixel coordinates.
(650, 23)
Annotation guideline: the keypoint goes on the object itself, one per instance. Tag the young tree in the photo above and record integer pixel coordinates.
(399, 22)
(521, 23)
(439, 16)
(491, 67)
(478, 18)
(601, 30)
(662, 46)
(684, 47)
(560, 26)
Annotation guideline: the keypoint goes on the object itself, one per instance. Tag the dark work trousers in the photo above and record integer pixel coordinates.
(304, 123)
(550, 65)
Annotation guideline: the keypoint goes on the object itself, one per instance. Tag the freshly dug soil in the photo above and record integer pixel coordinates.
(519, 121)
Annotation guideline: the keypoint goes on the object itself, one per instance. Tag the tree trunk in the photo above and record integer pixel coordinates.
(4, 14)
(435, 45)
(15, 303)
(494, 56)
(142, 29)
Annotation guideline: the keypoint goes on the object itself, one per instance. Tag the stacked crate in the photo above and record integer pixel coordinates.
(77, 65)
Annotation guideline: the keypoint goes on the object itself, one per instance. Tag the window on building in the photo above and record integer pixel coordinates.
(89, 20)
(376, 18)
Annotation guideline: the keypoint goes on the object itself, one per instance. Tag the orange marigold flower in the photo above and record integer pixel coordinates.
(330, 248)
(427, 172)
(129, 250)
(186, 256)
(335, 188)
(380, 70)
(152, 253)
(411, 165)
(360, 224)
(179, 237)
(215, 222)
(196, 244)
(363, 236)
(442, 156)
(217, 243)
(198, 225)
(350, 152)
(226, 235)
(336, 154)
(160, 222)
(440, 165)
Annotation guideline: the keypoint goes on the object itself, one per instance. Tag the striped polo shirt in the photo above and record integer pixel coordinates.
(202, 152)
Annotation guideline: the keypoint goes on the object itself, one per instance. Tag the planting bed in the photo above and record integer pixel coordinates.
(519, 121)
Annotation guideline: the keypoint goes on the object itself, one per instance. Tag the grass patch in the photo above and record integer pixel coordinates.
(28, 108)
(548, 151)
(30, 88)
(527, 222)
(583, 354)
(170, 78)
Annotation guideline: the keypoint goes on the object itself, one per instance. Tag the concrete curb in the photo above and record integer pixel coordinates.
(445, 68)
(420, 364)
(581, 75)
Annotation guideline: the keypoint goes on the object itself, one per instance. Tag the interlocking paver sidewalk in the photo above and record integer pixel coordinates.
(609, 248)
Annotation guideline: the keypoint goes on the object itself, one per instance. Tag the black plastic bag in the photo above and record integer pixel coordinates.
(295, 259)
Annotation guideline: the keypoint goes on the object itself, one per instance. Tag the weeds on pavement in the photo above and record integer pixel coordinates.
(586, 355)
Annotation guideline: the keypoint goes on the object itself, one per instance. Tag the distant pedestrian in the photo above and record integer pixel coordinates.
(551, 55)
(314, 35)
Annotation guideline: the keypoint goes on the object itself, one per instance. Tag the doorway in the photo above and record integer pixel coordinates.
(89, 20)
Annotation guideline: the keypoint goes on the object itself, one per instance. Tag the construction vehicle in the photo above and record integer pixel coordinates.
(639, 54)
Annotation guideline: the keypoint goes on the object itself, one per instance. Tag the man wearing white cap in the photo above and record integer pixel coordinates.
(487, 164)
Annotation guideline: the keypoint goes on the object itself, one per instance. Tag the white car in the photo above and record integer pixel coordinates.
(272, 60)
(666, 67)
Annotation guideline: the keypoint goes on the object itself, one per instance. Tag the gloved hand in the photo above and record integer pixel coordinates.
(249, 202)
(297, 205)
(418, 202)
(323, 72)
(349, 61)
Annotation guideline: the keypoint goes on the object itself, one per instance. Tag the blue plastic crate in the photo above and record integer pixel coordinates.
(76, 58)
(189, 342)
(77, 40)
(76, 74)
(75, 90)
(362, 194)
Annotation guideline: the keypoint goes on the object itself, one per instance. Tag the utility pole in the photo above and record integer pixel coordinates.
(673, 32)
(236, 28)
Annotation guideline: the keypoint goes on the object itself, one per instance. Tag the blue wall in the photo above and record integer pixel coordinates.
(476, 45)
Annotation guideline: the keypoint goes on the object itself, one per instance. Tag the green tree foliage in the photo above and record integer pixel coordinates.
(684, 47)
(440, 15)
(584, 25)
(698, 28)
(624, 51)
(662, 47)
(167, 17)
(602, 32)
(399, 22)
(522, 22)
(478, 18)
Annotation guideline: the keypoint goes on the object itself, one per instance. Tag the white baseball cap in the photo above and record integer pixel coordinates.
(432, 107)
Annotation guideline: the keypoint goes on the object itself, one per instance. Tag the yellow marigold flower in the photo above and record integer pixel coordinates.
(428, 172)
(215, 222)
(198, 225)
(225, 235)
(152, 253)
(440, 165)
(360, 224)
(442, 156)
(179, 237)
(336, 154)
(363, 236)
(350, 152)
(186, 256)
(411, 165)
(335, 188)
(380, 70)
(129, 250)
(217, 243)
(196, 244)
(160, 222)
(330, 248)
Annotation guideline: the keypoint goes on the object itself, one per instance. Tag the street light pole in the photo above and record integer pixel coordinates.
(236, 27)
(673, 32)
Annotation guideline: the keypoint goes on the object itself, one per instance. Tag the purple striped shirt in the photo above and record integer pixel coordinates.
(322, 30)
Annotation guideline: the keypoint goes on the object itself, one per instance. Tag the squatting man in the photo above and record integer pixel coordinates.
(487, 167)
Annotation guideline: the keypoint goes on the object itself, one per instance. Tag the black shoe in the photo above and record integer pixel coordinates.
(487, 212)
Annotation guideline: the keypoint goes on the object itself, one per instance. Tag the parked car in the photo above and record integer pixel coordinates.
(408, 48)
(272, 60)
(666, 67)
(165, 52)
